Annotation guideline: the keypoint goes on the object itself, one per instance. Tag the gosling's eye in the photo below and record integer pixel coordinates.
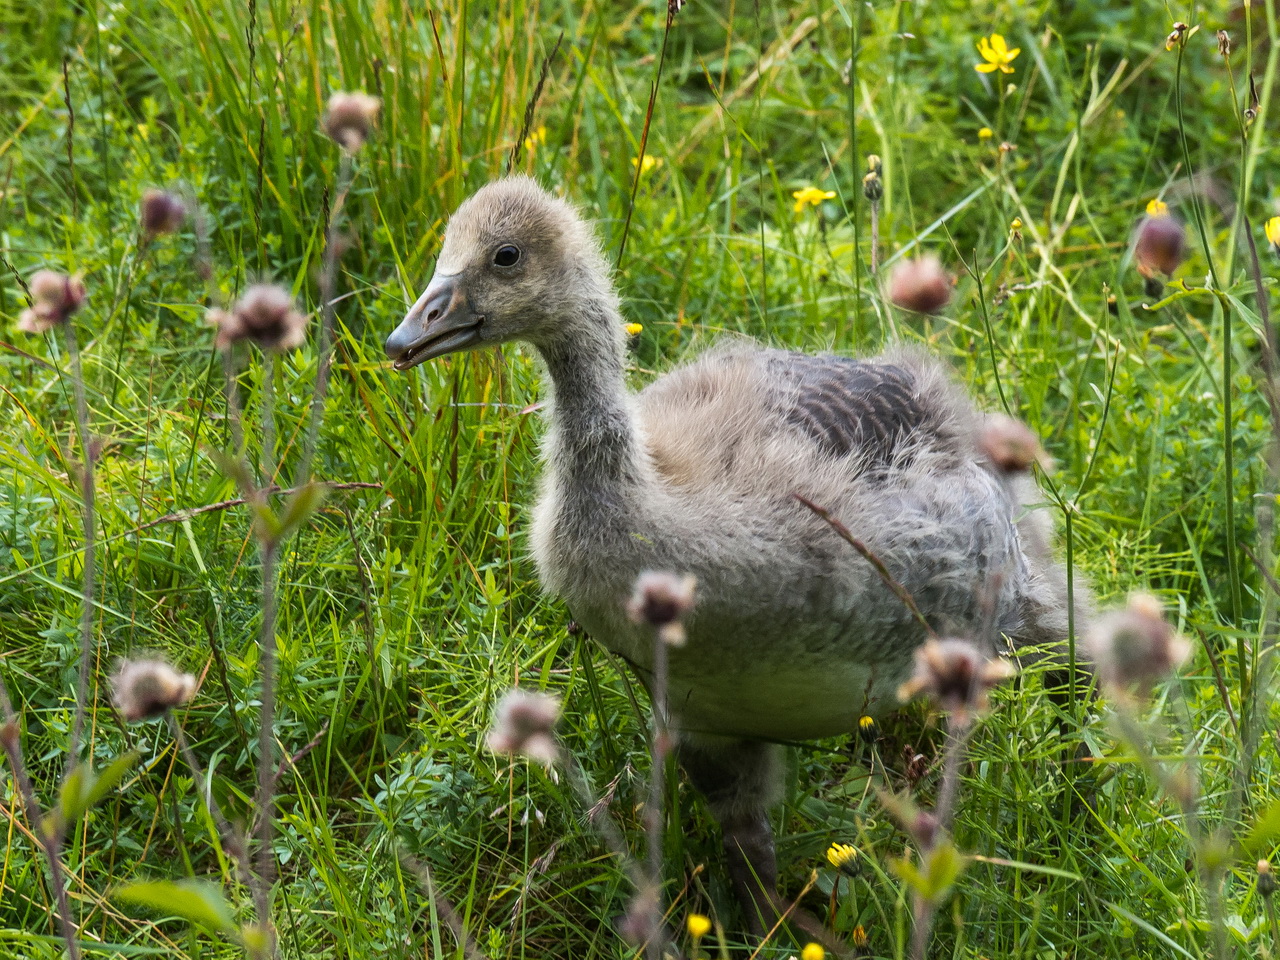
(507, 256)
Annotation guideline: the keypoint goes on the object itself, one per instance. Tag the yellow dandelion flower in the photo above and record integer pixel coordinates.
(995, 54)
(986, 133)
(867, 729)
(535, 139)
(1272, 230)
(1157, 208)
(844, 857)
(698, 925)
(812, 951)
(811, 197)
(633, 328)
(859, 937)
(647, 164)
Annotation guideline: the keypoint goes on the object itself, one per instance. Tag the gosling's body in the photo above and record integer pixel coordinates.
(793, 634)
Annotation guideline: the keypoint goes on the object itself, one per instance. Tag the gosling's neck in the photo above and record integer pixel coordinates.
(593, 444)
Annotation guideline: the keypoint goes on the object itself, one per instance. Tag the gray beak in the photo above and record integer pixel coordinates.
(440, 322)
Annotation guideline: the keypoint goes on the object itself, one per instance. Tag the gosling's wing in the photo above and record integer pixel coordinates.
(845, 405)
(717, 420)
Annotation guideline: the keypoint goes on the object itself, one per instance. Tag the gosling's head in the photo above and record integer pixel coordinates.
(517, 264)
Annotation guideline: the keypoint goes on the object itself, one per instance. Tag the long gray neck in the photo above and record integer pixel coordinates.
(592, 443)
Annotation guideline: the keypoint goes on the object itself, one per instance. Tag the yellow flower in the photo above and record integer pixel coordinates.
(812, 951)
(986, 133)
(859, 937)
(844, 857)
(1157, 208)
(1015, 224)
(1272, 228)
(811, 197)
(698, 925)
(633, 328)
(996, 54)
(535, 139)
(648, 163)
(867, 729)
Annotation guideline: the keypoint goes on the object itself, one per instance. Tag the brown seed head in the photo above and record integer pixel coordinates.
(1161, 245)
(142, 689)
(1011, 445)
(522, 725)
(663, 600)
(54, 298)
(956, 676)
(162, 212)
(920, 284)
(1136, 646)
(350, 117)
(266, 315)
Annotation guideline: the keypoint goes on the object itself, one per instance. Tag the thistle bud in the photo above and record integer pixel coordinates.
(349, 118)
(663, 600)
(142, 689)
(920, 284)
(266, 315)
(1011, 446)
(161, 212)
(1136, 646)
(1161, 245)
(956, 676)
(522, 725)
(54, 298)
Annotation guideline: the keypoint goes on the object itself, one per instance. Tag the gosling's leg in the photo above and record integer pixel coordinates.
(740, 779)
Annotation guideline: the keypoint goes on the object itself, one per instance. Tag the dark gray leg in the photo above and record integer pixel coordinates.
(739, 779)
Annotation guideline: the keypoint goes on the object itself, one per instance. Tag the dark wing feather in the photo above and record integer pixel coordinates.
(847, 405)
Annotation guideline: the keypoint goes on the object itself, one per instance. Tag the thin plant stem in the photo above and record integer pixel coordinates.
(233, 843)
(48, 837)
(328, 282)
(264, 801)
(87, 496)
(654, 810)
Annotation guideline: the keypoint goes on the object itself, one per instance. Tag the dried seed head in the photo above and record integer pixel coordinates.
(162, 212)
(54, 298)
(1136, 646)
(956, 676)
(149, 688)
(1224, 44)
(1011, 445)
(920, 284)
(663, 600)
(1161, 245)
(350, 117)
(266, 315)
(522, 725)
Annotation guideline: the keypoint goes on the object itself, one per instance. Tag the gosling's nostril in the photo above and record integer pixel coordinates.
(435, 312)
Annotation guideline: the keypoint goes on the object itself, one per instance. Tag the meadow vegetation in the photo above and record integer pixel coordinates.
(405, 605)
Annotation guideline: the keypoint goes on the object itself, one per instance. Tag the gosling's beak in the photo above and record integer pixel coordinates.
(440, 322)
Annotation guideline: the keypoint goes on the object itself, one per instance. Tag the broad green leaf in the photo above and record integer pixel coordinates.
(196, 901)
(83, 789)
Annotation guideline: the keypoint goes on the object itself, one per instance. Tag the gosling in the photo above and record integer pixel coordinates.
(793, 635)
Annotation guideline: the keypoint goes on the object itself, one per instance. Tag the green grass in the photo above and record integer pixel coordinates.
(406, 610)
